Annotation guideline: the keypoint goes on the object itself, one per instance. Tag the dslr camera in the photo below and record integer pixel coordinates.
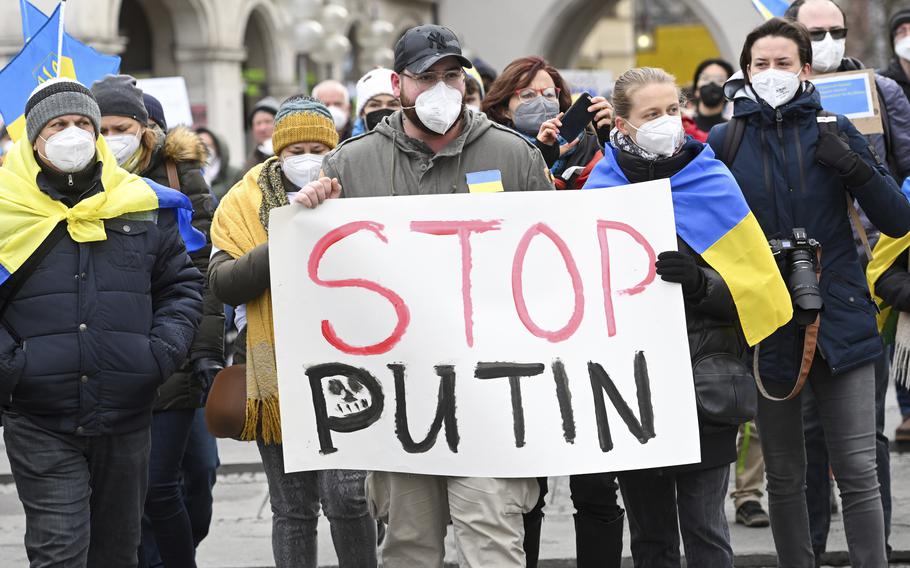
(797, 257)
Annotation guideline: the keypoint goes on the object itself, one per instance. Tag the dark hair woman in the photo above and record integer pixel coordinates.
(530, 96)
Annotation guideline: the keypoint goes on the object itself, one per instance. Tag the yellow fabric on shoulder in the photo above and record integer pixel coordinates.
(28, 215)
(743, 259)
(886, 251)
(236, 230)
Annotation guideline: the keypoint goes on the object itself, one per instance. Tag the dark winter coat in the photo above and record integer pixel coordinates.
(786, 187)
(103, 324)
(896, 73)
(184, 148)
(711, 319)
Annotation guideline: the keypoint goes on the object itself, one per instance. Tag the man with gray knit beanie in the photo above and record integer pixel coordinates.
(99, 303)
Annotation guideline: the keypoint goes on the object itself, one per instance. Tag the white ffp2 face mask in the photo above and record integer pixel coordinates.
(438, 108)
(661, 136)
(70, 150)
(827, 54)
(340, 117)
(123, 146)
(902, 48)
(775, 86)
(301, 169)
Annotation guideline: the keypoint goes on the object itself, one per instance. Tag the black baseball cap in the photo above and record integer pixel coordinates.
(421, 47)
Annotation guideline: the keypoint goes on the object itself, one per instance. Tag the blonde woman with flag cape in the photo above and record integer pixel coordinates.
(100, 303)
(733, 294)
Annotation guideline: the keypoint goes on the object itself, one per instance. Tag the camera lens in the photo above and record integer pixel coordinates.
(803, 284)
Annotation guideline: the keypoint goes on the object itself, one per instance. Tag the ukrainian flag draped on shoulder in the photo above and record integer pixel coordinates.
(713, 218)
(37, 62)
(28, 215)
(886, 252)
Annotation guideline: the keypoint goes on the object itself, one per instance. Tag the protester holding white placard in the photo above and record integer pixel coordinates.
(648, 143)
(239, 275)
(436, 145)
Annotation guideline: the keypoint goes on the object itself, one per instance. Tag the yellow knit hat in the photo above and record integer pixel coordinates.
(303, 119)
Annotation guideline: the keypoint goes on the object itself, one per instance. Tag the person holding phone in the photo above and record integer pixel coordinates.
(531, 97)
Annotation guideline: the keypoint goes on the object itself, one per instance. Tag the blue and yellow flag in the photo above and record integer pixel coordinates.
(886, 252)
(28, 215)
(771, 8)
(37, 62)
(713, 218)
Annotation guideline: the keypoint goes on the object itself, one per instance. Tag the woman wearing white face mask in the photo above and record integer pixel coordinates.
(239, 275)
(797, 169)
(173, 160)
(647, 144)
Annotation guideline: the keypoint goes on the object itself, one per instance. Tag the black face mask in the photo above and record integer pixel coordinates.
(375, 117)
(711, 94)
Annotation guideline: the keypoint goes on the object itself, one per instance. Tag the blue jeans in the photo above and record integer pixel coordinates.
(818, 480)
(903, 400)
(662, 503)
(295, 499)
(164, 507)
(200, 471)
(82, 495)
(846, 405)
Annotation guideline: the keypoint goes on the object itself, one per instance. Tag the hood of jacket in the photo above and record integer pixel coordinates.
(746, 104)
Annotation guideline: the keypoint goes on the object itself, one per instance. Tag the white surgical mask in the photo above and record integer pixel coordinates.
(902, 48)
(438, 108)
(775, 86)
(123, 146)
(827, 54)
(339, 117)
(70, 150)
(301, 169)
(661, 136)
(266, 147)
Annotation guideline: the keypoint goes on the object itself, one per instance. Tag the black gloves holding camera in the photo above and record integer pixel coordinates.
(833, 152)
(204, 371)
(679, 267)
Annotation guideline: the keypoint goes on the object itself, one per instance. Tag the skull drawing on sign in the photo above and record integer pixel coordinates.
(345, 397)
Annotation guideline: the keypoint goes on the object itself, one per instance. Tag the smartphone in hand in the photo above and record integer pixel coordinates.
(576, 118)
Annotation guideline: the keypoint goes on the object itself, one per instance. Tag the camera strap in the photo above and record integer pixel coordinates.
(810, 343)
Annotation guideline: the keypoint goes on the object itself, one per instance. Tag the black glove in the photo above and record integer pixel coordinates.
(678, 267)
(204, 371)
(833, 152)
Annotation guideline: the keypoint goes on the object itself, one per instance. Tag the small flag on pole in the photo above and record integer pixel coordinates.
(38, 61)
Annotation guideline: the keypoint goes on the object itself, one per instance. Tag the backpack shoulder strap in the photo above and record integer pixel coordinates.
(733, 138)
(827, 122)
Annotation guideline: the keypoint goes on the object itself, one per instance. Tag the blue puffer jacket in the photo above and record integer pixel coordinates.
(103, 324)
(786, 187)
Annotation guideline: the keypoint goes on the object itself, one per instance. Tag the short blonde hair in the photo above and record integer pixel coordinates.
(633, 80)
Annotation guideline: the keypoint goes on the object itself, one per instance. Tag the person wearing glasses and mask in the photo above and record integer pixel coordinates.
(827, 27)
(708, 87)
(435, 145)
(530, 96)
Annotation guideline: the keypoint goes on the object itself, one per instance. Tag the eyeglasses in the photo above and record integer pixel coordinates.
(528, 94)
(836, 33)
(451, 77)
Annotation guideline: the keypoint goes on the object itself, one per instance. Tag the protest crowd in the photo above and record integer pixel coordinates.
(139, 321)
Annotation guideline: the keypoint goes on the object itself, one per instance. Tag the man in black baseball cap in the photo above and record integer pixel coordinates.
(421, 47)
(434, 145)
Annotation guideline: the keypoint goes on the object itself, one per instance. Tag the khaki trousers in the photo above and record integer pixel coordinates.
(749, 466)
(486, 514)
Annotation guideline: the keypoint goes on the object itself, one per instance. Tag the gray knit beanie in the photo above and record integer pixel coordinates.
(118, 95)
(58, 97)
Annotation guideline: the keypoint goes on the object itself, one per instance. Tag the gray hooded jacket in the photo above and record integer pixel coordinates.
(386, 161)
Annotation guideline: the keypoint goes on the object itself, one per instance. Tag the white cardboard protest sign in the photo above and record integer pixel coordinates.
(525, 332)
(171, 92)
